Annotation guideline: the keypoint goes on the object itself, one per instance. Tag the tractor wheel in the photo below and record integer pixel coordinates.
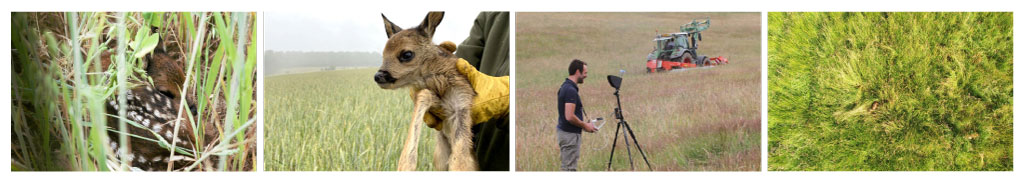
(687, 56)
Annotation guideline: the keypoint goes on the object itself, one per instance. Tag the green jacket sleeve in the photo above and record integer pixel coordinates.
(487, 47)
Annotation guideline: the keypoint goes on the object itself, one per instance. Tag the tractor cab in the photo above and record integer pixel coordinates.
(673, 46)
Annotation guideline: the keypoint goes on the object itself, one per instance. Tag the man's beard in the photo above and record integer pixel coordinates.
(580, 81)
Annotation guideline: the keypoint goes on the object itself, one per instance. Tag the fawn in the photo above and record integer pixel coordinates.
(155, 108)
(412, 60)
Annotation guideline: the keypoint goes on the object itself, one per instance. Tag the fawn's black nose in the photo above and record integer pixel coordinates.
(383, 77)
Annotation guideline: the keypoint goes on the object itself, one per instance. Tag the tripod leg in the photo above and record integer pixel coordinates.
(630, 130)
(614, 141)
(629, 152)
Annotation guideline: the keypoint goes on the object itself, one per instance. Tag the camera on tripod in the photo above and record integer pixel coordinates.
(616, 82)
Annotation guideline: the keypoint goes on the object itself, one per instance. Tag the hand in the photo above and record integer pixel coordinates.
(492, 93)
(589, 127)
(491, 100)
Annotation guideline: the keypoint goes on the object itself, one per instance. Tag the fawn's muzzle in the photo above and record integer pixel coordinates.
(383, 77)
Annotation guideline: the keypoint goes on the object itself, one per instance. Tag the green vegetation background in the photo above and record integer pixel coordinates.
(890, 91)
(59, 90)
(338, 121)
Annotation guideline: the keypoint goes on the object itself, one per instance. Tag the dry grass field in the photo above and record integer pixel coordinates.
(705, 119)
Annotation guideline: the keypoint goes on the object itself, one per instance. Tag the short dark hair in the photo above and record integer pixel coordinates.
(576, 65)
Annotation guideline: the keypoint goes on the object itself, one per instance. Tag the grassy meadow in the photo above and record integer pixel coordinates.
(337, 121)
(59, 88)
(705, 119)
(890, 91)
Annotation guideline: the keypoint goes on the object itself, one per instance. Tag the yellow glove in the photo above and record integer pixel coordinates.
(492, 93)
(492, 96)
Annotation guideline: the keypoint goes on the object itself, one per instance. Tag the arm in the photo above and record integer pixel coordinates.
(487, 46)
(570, 110)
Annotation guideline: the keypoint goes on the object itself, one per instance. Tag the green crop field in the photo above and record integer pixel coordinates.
(890, 91)
(337, 120)
(704, 119)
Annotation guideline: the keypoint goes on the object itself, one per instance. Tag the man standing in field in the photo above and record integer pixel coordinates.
(570, 116)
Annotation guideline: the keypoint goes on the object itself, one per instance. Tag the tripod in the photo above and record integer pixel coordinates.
(615, 81)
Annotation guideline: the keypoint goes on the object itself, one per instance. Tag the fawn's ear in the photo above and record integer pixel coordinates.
(389, 27)
(430, 23)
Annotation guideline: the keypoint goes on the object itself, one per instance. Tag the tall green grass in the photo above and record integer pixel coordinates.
(338, 120)
(59, 89)
(890, 91)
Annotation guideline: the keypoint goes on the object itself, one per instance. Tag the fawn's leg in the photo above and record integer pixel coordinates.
(442, 152)
(458, 127)
(424, 99)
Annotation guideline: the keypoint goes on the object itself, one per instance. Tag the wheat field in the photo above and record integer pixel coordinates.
(338, 121)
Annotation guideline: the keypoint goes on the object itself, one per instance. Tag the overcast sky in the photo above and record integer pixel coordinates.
(352, 30)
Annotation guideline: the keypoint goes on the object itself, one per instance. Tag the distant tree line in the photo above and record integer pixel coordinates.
(278, 62)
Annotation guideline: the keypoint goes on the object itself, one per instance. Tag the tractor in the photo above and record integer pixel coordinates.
(679, 50)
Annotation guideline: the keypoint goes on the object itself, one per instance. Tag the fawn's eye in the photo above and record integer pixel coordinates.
(406, 56)
(167, 93)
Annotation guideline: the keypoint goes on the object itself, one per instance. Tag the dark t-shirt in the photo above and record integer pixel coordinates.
(569, 93)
